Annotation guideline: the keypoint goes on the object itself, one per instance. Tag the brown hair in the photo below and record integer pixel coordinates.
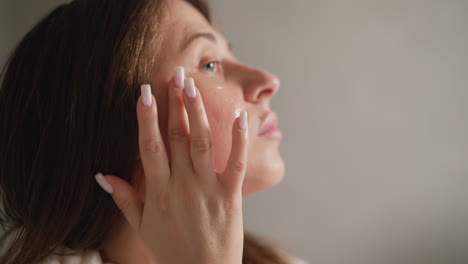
(67, 100)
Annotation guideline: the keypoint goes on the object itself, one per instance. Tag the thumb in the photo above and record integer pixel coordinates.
(125, 197)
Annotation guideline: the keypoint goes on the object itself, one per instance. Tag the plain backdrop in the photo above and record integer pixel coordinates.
(373, 107)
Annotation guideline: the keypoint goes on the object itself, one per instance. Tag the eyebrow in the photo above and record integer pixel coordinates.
(205, 35)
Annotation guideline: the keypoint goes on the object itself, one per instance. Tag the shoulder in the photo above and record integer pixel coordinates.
(64, 255)
(61, 255)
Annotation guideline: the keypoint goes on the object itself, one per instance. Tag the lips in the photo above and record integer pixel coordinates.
(269, 125)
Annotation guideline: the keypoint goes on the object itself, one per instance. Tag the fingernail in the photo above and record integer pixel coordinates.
(243, 120)
(179, 77)
(146, 94)
(190, 87)
(104, 183)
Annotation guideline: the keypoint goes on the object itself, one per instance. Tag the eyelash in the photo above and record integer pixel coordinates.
(216, 64)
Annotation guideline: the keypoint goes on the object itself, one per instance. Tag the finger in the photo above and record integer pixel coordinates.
(152, 150)
(201, 143)
(233, 176)
(124, 196)
(178, 129)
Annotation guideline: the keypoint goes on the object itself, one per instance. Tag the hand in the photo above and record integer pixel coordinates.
(190, 214)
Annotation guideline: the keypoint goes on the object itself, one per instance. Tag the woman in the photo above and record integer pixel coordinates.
(67, 112)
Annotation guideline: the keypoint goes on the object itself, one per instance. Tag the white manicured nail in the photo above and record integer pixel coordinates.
(179, 77)
(243, 120)
(146, 94)
(190, 87)
(104, 183)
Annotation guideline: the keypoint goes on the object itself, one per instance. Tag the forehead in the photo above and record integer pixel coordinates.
(183, 20)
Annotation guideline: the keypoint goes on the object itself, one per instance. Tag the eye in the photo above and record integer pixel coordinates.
(211, 66)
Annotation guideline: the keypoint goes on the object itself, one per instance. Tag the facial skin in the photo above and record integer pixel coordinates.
(226, 86)
(243, 88)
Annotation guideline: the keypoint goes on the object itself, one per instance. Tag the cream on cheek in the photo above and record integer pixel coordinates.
(222, 109)
(222, 106)
(221, 123)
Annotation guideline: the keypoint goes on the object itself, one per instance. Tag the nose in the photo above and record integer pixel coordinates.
(258, 84)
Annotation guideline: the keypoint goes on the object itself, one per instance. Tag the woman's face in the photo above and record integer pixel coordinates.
(226, 86)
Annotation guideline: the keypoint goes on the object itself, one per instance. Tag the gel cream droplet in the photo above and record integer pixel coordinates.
(219, 87)
(237, 112)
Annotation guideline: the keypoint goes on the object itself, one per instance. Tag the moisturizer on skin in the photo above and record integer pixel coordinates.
(237, 112)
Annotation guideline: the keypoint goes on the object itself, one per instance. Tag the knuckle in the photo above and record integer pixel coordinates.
(238, 167)
(231, 205)
(178, 134)
(150, 116)
(202, 145)
(152, 147)
(160, 204)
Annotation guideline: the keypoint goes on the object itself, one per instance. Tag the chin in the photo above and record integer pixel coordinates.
(258, 178)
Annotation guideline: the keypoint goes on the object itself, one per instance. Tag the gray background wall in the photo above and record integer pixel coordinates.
(373, 105)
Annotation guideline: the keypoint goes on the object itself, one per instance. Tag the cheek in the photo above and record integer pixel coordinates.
(221, 117)
(222, 105)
